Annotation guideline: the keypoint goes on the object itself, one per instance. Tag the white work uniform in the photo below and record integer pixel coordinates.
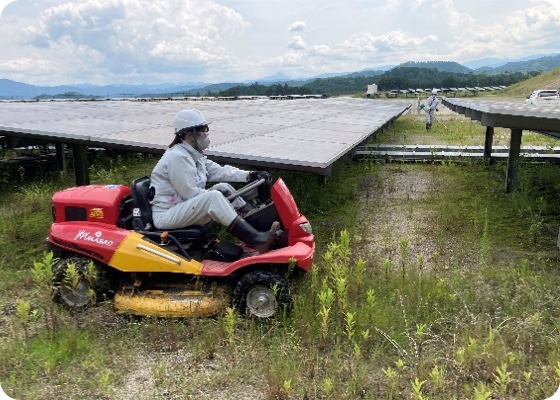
(431, 106)
(181, 198)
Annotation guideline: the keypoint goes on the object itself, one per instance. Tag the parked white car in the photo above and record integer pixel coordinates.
(539, 96)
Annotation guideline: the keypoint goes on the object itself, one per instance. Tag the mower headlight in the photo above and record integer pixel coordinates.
(306, 226)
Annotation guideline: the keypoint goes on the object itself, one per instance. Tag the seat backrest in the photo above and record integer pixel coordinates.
(142, 209)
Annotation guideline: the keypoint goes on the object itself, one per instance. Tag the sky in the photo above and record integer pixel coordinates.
(56, 42)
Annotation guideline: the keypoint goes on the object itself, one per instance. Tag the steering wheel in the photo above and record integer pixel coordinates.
(245, 189)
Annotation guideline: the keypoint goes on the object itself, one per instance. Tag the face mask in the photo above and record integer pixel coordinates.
(202, 143)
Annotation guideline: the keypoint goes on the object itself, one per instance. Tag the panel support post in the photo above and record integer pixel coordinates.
(60, 156)
(80, 164)
(513, 159)
(488, 140)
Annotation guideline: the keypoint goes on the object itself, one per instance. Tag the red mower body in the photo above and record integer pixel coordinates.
(93, 203)
(178, 273)
(95, 221)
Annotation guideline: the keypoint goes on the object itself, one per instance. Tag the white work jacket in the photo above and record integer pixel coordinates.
(432, 104)
(182, 173)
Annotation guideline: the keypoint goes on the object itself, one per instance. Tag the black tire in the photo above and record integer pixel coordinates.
(89, 289)
(262, 294)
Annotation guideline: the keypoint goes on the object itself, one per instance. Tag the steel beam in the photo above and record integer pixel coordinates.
(79, 154)
(513, 159)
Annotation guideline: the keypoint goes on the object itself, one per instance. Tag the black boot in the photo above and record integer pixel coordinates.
(260, 241)
(427, 126)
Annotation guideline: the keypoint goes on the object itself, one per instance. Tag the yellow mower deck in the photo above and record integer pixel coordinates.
(161, 303)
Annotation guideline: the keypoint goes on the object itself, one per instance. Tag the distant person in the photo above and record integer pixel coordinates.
(179, 180)
(430, 108)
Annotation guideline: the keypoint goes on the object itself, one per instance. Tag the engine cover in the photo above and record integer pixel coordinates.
(94, 203)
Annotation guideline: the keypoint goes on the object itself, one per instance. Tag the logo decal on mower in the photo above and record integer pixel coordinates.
(96, 238)
(96, 213)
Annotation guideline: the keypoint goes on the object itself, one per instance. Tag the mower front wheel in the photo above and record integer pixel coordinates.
(79, 282)
(261, 294)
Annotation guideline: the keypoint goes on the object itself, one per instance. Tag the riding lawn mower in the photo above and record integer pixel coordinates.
(108, 248)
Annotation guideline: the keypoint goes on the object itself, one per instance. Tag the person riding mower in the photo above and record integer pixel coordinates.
(110, 247)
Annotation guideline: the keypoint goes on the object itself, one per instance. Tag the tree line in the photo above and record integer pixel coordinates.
(414, 77)
(257, 89)
(395, 79)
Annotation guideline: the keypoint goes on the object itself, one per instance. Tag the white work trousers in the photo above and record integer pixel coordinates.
(211, 205)
(430, 116)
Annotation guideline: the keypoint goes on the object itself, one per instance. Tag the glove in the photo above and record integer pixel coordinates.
(256, 175)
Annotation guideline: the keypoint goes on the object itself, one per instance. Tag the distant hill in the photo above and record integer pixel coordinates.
(487, 62)
(17, 90)
(443, 66)
(546, 80)
(279, 77)
(223, 89)
(10, 89)
(366, 73)
(544, 64)
(209, 90)
(498, 62)
(327, 75)
(398, 78)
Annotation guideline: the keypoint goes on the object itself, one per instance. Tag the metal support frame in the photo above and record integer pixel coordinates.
(81, 171)
(517, 117)
(488, 141)
(513, 159)
(60, 156)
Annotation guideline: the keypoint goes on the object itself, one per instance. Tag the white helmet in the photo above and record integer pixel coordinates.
(434, 91)
(189, 118)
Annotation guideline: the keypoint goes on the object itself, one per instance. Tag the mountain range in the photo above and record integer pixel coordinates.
(17, 90)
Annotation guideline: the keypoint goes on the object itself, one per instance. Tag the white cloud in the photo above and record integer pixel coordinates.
(136, 41)
(297, 43)
(135, 34)
(391, 41)
(28, 65)
(535, 28)
(297, 26)
(418, 3)
(451, 16)
(322, 50)
(555, 3)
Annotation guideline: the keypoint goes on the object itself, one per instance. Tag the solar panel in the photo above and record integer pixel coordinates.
(510, 114)
(296, 133)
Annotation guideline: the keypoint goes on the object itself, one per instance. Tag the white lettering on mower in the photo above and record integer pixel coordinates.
(85, 235)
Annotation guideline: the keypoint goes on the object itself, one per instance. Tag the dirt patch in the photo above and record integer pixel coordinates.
(396, 220)
(179, 375)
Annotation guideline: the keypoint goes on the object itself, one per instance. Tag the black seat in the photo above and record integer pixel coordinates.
(142, 194)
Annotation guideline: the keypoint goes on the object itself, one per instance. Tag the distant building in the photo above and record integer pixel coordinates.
(371, 90)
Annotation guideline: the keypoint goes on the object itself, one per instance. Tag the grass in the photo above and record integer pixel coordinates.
(462, 304)
(546, 80)
(453, 129)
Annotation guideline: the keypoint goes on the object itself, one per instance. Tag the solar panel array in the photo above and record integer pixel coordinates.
(299, 134)
(544, 116)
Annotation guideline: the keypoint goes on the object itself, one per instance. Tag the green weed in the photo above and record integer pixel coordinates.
(473, 315)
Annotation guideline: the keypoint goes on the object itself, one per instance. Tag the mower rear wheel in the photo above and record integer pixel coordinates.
(86, 288)
(261, 294)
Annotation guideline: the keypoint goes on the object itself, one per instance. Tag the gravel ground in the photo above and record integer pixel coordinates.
(394, 208)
